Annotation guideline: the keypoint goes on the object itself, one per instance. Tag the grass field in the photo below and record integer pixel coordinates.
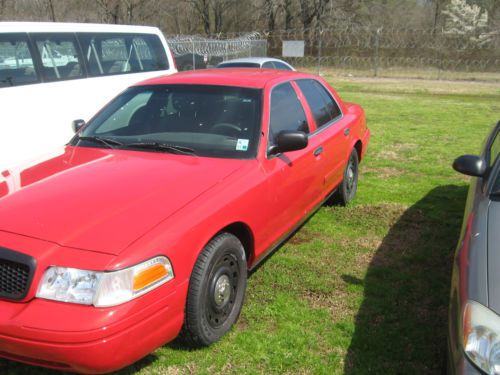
(361, 289)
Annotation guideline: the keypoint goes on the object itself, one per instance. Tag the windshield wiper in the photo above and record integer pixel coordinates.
(111, 143)
(176, 149)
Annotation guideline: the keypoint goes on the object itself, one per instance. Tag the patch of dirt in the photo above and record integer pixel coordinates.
(363, 260)
(242, 323)
(388, 155)
(336, 302)
(393, 152)
(404, 146)
(305, 235)
(370, 242)
(384, 172)
(389, 213)
(176, 370)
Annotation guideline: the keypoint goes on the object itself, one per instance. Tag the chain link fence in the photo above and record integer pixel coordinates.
(358, 51)
(194, 52)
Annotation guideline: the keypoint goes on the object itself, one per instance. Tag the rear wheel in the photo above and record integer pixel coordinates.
(349, 185)
(216, 290)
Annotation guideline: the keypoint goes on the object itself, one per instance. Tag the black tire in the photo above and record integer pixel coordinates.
(216, 291)
(349, 185)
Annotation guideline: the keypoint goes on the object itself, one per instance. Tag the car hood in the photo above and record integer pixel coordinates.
(100, 199)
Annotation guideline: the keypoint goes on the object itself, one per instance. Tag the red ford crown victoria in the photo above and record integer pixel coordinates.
(146, 224)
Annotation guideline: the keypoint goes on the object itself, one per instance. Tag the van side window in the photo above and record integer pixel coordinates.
(59, 56)
(108, 54)
(16, 63)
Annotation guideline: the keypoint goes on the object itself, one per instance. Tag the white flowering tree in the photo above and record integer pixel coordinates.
(468, 22)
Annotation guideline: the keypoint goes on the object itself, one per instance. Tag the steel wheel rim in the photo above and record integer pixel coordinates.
(351, 177)
(222, 290)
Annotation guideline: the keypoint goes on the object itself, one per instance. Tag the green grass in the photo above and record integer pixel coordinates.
(361, 289)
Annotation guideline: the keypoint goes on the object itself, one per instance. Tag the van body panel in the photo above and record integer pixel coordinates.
(57, 86)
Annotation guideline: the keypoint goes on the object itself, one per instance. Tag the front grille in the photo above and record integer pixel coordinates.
(16, 272)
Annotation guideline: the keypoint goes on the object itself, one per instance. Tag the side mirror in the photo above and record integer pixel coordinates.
(76, 125)
(470, 165)
(288, 140)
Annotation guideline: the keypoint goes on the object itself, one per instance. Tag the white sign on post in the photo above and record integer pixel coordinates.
(293, 48)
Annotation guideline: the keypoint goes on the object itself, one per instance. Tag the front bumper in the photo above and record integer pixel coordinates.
(124, 333)
(459, 364)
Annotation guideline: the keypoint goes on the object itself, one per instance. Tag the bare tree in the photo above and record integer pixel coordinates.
(136, 11)
(2, 8)
(438, 9)
(271, 8)
(289, 16)
(111, 10)
(50, 6)
(220, 8)
(310, 11)
(202, 8)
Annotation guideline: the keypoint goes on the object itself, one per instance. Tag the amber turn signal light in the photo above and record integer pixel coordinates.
(149, 276)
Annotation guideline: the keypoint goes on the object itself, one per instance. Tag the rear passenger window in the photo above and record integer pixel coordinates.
(286, 111)
(280, 66)
(323, 107)
(16, 63)
(268, 65)
(59, 56)
(122, 53)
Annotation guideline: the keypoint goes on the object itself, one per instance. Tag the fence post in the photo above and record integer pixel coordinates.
(320, 32)
(192, 52)
(375, 57)
(439, 56)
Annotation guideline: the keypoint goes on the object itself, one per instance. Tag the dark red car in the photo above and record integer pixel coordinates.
(148, 221)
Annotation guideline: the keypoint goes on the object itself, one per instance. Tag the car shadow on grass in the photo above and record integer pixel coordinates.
(15, 368)
(401, 324)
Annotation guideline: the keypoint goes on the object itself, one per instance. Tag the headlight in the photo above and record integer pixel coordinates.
(482, 337)
(104, 289)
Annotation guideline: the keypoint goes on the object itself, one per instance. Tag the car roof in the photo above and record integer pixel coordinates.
(30, 27)
(242, 77)
(259, 60)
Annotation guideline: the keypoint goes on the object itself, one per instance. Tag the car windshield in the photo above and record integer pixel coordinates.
(203, 120)
(239, 65)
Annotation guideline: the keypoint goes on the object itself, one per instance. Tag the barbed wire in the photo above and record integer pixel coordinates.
(182, 45)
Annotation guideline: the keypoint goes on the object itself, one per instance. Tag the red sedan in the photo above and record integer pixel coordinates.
(146, 224)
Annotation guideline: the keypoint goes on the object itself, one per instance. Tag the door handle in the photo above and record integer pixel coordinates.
(318, 151)
(347, 131)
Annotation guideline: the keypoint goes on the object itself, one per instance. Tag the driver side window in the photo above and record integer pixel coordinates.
(286, 112)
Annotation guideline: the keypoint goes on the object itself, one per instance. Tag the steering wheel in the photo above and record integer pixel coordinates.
(225, 128)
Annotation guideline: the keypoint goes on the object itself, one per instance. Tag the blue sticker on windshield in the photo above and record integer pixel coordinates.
(242, 145)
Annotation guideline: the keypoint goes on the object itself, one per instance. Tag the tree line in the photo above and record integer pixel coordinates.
(212, 17)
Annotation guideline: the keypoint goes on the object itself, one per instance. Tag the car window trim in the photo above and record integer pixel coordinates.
(329, 123)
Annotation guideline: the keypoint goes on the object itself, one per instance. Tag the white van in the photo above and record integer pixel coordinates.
(53, 73)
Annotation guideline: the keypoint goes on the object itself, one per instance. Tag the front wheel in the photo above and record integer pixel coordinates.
(216, 290)
(349, 185)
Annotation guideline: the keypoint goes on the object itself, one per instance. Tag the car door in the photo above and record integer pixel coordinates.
(332, 131)
(293, 179)
(492, 157)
